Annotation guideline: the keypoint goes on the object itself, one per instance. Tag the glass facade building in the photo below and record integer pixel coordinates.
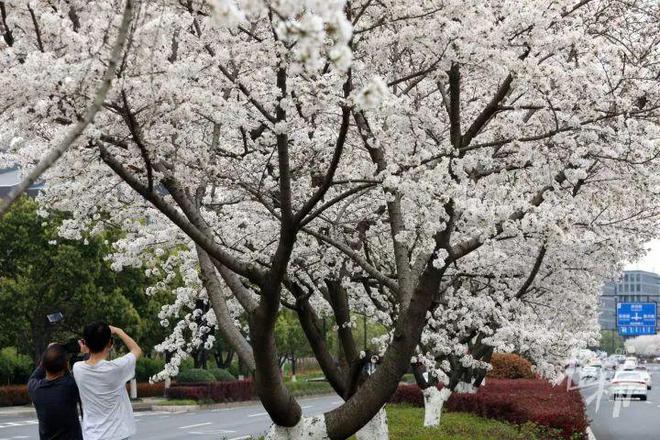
(634, 286)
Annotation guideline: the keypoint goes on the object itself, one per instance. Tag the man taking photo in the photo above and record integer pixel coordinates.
(55, 396)
(102, 384)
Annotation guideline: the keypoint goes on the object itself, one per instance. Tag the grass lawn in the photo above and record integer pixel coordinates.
(178, 402)
(405, 423)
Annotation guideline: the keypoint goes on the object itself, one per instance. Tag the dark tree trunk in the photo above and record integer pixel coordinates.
(309, 323)
(418, 371)
(375, 392)
(41, 335)
(481, 373)
(274, 395)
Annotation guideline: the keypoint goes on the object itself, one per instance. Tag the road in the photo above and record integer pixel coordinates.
(625, 419)
(240, 422)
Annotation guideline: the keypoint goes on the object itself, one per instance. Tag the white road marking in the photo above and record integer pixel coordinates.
(306, 406)
(14, 424)
(258, 414)
(243, 437)
(211, 432)
(194, 426)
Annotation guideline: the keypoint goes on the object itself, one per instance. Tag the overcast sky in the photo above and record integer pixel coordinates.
(652, 260)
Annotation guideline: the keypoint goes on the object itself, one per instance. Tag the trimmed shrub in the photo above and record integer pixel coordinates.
(408, 393)
(12, 395)
(187, 392)
(195, 375)
(221, 375)
(149, 389)
(234, 391)
(557, 409)
(146, 368)
(510, 366)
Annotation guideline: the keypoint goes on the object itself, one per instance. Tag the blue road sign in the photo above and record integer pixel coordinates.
(634, 319)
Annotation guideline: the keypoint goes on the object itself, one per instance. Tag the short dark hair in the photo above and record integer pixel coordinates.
(97, 336)
(54, 359)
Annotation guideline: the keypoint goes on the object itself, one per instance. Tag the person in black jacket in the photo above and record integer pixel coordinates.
(55, 396)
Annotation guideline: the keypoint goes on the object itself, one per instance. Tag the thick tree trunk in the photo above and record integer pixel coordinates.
(376, 429)
(377, 390)
(308, 428)
(434, 400)
(274, 395)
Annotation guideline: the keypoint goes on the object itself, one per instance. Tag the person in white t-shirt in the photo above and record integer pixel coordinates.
(107, 411)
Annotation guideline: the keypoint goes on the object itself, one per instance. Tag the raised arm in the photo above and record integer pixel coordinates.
(133, 347)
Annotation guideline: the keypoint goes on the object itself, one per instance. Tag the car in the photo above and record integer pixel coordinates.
(629, 364)
(628, 384)
(590, 372)
(646, 376)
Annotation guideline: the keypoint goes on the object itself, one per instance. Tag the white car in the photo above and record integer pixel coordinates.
(590, 372)
(629, 365)
(628, 384)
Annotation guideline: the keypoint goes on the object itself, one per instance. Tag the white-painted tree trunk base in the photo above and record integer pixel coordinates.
(376, 429)
(308, 428)
(434, 400)
(133, 389)
(464, 387)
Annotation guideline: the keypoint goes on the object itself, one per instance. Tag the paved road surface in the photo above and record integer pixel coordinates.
(625, 419)
(241, 422)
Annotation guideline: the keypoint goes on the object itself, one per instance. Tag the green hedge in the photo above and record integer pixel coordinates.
(221, 375)
(195, 375)
(145, 368)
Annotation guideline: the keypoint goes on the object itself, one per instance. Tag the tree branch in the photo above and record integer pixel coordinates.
(248, 270)
(102, 91)
(225, 322)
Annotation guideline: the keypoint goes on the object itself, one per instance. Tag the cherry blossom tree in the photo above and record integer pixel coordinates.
(647, 345)
(380, 149)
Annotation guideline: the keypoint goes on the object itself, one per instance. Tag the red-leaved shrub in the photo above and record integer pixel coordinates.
(234, 391)
(12, 395)
(516, 401)
(510, 366)
(408, 393)
(187, 392)
(147, 389)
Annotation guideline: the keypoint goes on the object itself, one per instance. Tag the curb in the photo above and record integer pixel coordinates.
(17, 411)
(223, 405)
(590, 434)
